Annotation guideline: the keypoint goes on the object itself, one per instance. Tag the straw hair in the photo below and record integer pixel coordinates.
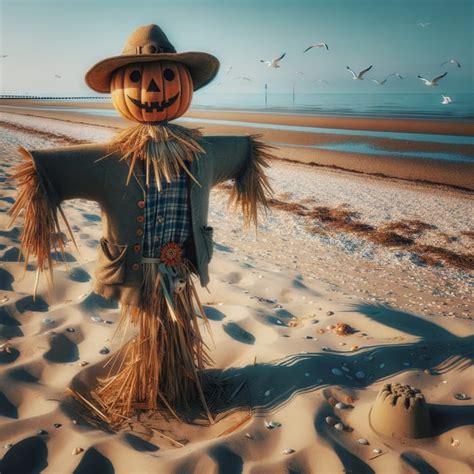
(42, 232)
(165, 148)
(252, 189)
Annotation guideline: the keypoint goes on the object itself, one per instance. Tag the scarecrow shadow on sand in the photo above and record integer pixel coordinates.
(272, 385)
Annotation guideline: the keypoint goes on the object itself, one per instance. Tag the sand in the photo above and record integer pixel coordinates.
(320, 258)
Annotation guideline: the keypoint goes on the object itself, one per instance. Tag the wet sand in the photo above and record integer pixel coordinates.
(390, 157)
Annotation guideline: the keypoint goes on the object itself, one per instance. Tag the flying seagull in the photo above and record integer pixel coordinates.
(452, 61)
(273, 62)
(4, 56)
(434, 81)
(446, 99)
(360, 75)
(243, 78)
(381, 83)
(317, 45)
(321, 80)
(300, 73)
(424, 25)
(58, 76)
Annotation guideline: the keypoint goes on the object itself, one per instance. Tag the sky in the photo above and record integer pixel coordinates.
(44, 38)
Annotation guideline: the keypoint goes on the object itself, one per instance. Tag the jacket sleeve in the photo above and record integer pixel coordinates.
(243, 160)
(44, 179)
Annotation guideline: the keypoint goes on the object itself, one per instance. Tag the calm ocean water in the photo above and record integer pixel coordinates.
(425, 105)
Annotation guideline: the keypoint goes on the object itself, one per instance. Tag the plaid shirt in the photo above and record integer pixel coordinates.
(167, 215)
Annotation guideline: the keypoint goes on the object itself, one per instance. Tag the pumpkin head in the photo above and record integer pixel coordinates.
(151, 92)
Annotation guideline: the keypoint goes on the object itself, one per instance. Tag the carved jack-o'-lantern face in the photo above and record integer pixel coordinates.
(152, 92)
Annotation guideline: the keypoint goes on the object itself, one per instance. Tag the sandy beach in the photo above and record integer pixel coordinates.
(352, 238)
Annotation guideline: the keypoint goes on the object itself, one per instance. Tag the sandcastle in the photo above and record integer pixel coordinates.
(401, 411)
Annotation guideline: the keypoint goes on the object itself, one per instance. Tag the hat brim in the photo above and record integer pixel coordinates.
(203, 67)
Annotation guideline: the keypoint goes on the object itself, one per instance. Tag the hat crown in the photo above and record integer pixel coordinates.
(149, 39)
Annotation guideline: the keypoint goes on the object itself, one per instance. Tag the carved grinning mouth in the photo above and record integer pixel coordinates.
(154, 106)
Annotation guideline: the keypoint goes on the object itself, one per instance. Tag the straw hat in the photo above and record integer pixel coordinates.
(149, 43)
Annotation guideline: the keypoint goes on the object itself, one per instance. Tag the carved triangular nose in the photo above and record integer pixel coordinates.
(152, 87)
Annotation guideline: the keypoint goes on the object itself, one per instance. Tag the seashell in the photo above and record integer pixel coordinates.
(314, 321)
(461, 396)
(47, 321)
(336, 371)
(339, 427)
(343, 329)
(331, 421)
(70, 330)
(104, 350)
(288, 451)
(4, 299)
(272, 424)
(307, 337)
(97, 319)
(360, 374)
(77, 451)
(354, 348)
(57, 425)
(248, 435)
(455, 443)
(362, 441)
(376, 451)
(8, 446)
(330, 313)
(6, 347)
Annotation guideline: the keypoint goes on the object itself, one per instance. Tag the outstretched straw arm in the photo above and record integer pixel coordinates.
(243, 159)
(44, 179)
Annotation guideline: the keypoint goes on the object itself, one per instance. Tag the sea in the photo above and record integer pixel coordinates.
(417, 105)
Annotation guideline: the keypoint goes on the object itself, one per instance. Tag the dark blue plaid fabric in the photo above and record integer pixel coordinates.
(167, 214)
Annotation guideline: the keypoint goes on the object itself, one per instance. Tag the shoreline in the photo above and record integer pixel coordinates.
(385, 123)
(308, 148)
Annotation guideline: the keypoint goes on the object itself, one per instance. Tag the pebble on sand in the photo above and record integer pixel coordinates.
(77, 451)
(288, 451)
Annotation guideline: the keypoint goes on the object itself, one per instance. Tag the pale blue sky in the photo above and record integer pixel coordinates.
(47, 37)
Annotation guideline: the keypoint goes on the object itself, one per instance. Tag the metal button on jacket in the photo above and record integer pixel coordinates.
(139, 232)
(141, 204)
(135, 266)
(140, 218)
(137, 247)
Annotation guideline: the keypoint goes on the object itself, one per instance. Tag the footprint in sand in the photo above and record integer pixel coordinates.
(29, 304)
(9, 326)
(61, 349)
(12, 254)
(29, 455)
(7, 408)
(93, 462)
(6, 280)
(79, 275)
(238, 333)
(91, 217)
(140, 444)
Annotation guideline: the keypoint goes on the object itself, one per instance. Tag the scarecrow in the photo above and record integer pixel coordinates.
(152, 183)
